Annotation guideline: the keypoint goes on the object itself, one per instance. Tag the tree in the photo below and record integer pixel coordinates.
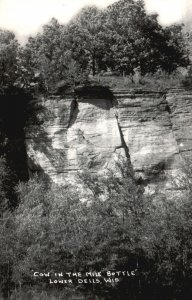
(8, 59)
(88, 38)
(48, 61)
(175, 48)
(138, 40)
(14, 77)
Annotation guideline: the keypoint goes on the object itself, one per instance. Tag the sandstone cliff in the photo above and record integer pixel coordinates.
(93, 129)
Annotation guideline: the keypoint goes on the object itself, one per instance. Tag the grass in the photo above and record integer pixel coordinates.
(158, 82)
(55, 293)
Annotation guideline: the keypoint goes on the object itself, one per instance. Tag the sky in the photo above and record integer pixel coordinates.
(25, 17)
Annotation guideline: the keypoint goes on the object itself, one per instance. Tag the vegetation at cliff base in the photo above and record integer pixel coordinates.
(46, 227)
(52, 230)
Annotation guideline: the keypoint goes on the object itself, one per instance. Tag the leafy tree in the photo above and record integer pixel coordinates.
(88, 38)
(188, 41)
(8, 59)
(138, 40)
(175, 50)
(48, 61)
(121, 38)
(124, 37)
(13, 75)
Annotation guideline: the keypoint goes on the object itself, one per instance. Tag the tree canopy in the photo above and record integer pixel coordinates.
(123, 37)
(8, 58)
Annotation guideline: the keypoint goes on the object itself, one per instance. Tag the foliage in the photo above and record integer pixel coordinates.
(88, 39)
(54, 230)
(4, 186)
(121, 38)
(6, 238)
(8, 59)
(118, 228)
(13, 75)
(48, 59)
(159, 81)
(138, 40)
(124, 37)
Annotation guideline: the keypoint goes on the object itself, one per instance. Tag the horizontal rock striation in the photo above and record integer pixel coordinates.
(180, 105)
(77, 133)
(94, 128)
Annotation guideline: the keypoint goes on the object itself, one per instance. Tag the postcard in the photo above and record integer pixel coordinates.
(95, 149)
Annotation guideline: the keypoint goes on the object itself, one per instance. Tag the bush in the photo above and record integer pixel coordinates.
(119, 228)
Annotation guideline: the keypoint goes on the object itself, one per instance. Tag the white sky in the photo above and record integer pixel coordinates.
(26, 16)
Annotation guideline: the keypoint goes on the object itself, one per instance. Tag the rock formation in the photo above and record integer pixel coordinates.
(94, 128)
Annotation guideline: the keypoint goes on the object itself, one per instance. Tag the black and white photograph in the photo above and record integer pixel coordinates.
(95, 149)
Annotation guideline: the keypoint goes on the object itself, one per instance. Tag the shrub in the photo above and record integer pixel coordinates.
(119, 228)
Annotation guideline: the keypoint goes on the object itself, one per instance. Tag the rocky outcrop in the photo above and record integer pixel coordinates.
(180, 105)
(77, 133)
(144, 118)
(94, 128)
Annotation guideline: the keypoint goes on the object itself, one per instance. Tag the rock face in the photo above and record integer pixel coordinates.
(93, 129)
